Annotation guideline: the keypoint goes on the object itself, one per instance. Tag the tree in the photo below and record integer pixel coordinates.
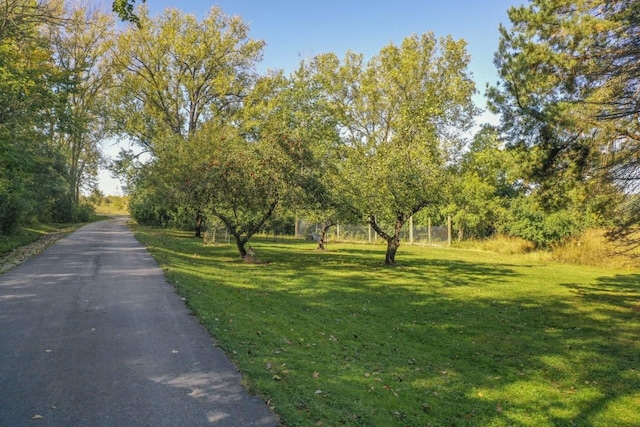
(175, 73)
(248, 167)
(305, 115)
(32, 185)
(484, 182)
(568, 91)
(237, 182)
(401, 116)
(19, 19)
(79, 47)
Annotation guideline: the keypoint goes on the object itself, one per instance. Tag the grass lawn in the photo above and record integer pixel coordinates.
(447, 337)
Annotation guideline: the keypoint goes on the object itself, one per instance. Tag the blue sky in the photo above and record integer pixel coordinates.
(304, 28)
(297, 28)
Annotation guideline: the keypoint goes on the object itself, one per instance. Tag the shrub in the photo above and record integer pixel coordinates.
(11, 209)
(147, 211)
(529, 221)
(83, 212)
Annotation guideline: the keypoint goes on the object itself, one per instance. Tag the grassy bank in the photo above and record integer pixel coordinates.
(26, 235)
(29, 241)
(448, 337)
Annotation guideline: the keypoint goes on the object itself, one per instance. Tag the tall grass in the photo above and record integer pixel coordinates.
(591, 248)
(500, 244)
(447, 337)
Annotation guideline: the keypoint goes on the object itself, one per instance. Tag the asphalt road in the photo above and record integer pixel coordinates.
(92, 335)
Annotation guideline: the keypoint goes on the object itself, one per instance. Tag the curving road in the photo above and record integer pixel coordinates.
(92, 335)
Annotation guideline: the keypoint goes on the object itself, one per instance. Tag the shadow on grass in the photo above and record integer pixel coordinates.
(334, 338)
(612, 307)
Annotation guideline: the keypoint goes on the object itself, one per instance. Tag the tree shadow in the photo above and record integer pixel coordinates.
(460, 361)
(439, 333)
(609, 308)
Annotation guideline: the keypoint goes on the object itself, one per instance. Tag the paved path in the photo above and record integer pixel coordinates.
(92, 335)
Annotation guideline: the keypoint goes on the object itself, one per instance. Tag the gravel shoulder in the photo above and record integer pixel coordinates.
(28, 251)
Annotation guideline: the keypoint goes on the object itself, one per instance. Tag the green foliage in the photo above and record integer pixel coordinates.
(528, 220)
(484, 181)
(352, 140)
(83, 213)
(449, 337)
(44, 81)
(24, 75)
(401, 116)
(202, 162)
(125, 10)
(79, 49)
(108, 205)
(149, 207)
(197, 71)
(280, 223)
(11, 208)
(568, 92)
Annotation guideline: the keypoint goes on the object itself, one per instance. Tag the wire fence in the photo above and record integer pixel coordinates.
(421, 235)
(426, 235)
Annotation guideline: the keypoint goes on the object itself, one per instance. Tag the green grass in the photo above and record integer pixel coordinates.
(28, 234)
(447, 337)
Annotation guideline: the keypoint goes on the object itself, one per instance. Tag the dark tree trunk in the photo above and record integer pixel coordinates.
(237, 232)
(199, 223)
(393, 240)
(323, 235)
(240, 244)
(392, 247)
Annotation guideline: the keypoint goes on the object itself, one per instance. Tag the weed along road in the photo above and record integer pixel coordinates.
(92, 335)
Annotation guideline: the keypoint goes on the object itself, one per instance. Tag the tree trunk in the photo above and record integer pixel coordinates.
(323, 235)
(240, 244)
(392, 247)
(199, 222)
(393, 240)
(236, 230)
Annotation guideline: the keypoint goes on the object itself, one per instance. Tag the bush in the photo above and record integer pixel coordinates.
(182, 218)
(83, 213)
(529, 221)
(147, 211)
(11, 209)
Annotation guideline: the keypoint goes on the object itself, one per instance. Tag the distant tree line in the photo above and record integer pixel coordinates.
(52, 90)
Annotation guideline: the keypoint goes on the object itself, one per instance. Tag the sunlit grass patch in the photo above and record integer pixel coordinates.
(447, 337)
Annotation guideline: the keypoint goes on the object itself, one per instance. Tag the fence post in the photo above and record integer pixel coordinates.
(337, 232)
(449, 230)
(411, 229)
(296, 228)
(429, 229)
(369, 233)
